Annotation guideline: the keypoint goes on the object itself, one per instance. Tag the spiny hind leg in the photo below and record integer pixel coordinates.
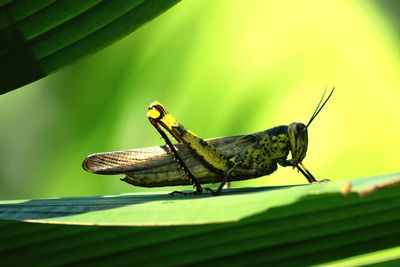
(154, 116)
(192, 180)
(208, 154)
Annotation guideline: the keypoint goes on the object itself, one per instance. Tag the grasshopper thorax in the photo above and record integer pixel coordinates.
(298, 139)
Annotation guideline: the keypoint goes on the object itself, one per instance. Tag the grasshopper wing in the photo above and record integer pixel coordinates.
(142, 159)
(119, 162)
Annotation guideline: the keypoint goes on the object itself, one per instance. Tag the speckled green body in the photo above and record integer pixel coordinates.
(268, 148)
(253, 155)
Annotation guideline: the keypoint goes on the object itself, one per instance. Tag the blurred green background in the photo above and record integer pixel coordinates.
(222, 68)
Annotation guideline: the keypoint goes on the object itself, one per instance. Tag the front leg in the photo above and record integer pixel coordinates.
(285, 163)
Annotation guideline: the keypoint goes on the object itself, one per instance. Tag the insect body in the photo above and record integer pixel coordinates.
(197, 161)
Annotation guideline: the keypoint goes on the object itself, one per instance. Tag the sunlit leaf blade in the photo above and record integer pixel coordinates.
(40, 37)
(287, 226)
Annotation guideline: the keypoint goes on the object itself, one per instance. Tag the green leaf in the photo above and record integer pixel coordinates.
(40, 37)
(279, 226)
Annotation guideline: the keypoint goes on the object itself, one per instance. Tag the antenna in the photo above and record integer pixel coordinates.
(319, 106)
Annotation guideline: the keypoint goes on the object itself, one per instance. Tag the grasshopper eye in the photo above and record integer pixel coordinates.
(298, 128)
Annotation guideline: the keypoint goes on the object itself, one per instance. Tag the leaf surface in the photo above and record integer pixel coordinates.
(280, 226)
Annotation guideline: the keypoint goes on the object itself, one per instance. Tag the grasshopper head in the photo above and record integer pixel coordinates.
(298, 138)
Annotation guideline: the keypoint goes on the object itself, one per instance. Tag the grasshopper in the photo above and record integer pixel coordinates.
(196, 161)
